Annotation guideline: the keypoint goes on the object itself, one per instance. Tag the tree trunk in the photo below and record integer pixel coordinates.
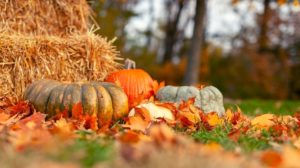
(193, 63)
(171, 33)
(263, 39)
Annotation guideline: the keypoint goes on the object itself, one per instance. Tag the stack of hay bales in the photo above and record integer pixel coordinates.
(50, 39)
(44, 17)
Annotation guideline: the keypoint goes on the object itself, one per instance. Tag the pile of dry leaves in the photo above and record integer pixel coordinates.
(140, 140)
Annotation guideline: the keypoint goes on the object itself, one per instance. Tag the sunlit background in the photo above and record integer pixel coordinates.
(248, 49)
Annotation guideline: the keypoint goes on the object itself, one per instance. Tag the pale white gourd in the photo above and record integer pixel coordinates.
(209, 99)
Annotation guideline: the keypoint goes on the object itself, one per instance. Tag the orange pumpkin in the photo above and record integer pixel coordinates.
(136, 83)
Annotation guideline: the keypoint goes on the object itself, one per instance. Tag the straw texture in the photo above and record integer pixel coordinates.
(44, 17)
(25, 58)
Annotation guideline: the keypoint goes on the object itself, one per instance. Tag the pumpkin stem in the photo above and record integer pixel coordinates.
(129, 64)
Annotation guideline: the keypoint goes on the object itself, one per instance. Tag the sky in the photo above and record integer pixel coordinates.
(223, 19)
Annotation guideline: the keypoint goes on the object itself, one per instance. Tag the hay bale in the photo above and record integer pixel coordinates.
(44, 17)
(26, 58)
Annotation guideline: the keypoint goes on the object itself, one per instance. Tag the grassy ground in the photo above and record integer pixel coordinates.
(87, 151)
(255, 106)
(248, 143)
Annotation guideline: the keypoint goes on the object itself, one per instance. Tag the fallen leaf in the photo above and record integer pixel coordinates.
(129, 137)
(150, 111)
(188, 118)
(162, 134)
(136, 123)
(35, 120)
(234, 135)
(263, 121)
(213, 119)
(22, 107)
(142, 112)
(77, 111)
(157, 86)
(271, 158)
(63, 128)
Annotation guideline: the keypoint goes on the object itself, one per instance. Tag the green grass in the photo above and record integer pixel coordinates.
(87, 150)
(219, 135)
(248, 142)
(255, 106)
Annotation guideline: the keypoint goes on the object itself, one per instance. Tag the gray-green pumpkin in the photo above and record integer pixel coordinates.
(209, 99)
(108, 101)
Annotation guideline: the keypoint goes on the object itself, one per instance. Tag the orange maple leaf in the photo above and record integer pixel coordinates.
(22, 107)
(156, 86)
(62, 114)
(188, 119)
(35, 120)
(136, 123)
(186, 104)
(234, 134)
(77, 111)
(129, 137)
(143, 113)
(90, 122)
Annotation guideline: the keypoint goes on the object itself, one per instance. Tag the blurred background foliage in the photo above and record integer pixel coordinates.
(248, 48)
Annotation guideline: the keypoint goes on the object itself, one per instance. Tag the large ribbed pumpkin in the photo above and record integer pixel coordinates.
(136, 83)
(108, 101)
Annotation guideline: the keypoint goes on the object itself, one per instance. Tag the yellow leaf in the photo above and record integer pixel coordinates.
(213, 119)
(265, 120)
(189, 118)
(63, 128)
(228, 114)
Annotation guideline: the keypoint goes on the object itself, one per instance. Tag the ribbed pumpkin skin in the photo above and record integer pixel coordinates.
(136, 83)
(209, 99)
(106, 100)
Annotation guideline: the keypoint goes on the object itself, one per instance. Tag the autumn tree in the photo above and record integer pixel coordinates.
(192, 69)
(171, 27)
